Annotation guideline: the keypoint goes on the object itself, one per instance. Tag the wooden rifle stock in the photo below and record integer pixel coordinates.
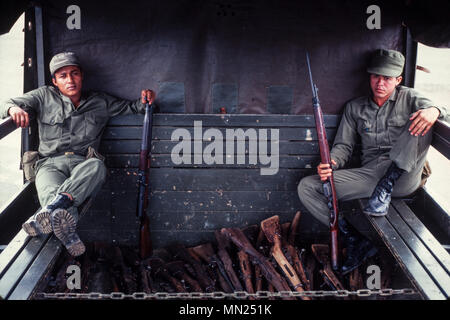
(206, 253)
(222, 244)
(145, 242)
(272, 230)
(328, 185)
(269, 272)
(177, 269)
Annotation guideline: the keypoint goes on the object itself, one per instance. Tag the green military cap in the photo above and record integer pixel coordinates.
(63, 59)
(388, 63)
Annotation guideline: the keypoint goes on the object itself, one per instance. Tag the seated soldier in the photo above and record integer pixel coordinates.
(394, 126)
(70, 123)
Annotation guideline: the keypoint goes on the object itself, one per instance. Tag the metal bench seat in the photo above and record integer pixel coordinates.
(27, 261)
(424, 260)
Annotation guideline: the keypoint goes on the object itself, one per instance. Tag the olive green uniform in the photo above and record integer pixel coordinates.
(384, 138)
(65, 135)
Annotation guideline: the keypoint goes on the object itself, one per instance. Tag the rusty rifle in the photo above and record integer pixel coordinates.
(272, 230)
(328, 185)
(269, 272)
(145, 242)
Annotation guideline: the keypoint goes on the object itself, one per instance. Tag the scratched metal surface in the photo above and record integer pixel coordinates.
(249, 52)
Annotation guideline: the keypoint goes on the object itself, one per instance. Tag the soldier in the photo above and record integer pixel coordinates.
(394, 126)
(70, 123)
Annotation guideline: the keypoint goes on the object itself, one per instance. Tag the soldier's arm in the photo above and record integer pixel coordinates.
(345, 139)
(425, 115)
(20, 108)
(117, 106)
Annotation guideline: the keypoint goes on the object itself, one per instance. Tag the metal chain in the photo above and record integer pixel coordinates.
(222, 295)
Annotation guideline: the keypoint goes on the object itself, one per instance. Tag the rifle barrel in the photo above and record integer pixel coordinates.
(145, 244)
(313, 87)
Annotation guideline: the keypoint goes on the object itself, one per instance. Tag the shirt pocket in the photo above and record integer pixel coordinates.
(395, 127)
(365, 130)
(50, 127)
(94, 124)
(364, 126)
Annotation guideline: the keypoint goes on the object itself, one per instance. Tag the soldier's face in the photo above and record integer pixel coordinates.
(382, 86)
(69, 81)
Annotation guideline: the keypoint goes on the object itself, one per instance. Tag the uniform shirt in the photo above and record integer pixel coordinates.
(377, 127)
(62, 127)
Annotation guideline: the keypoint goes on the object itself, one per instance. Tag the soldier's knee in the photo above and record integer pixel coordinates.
(305, 186)
(98, 167)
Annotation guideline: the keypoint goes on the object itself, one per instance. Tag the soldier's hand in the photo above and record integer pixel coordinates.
(19, 116)
(148, 95)
(423, 120)
(324, 170)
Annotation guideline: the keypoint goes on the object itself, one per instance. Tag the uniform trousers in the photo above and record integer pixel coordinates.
(72, 174)
(409, 153)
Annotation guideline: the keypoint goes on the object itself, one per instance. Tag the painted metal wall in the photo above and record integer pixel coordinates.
(247, 56)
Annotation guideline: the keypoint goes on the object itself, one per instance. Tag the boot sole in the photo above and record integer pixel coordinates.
(64, 227)
(41, 224)
(43, 218)
(31, 228)
(368, 255)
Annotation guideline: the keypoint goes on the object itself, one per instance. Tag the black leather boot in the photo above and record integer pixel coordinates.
(378, 204)
(359, 248)
(40, 223)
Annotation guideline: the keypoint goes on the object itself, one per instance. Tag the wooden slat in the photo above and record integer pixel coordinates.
(229, 120)
(208, 200)
(132, 161)
(13, 249)
(214, 220)
(165, 147)
(441, 144)
(423, 233)
(441, 138)
(39, 269)
(429, 262)
(405, 258)
(181, 179)
(165, 133)
(20, 265)
(6, 127)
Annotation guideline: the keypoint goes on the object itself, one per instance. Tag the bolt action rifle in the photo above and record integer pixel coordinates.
(145, 242)
(328, 185)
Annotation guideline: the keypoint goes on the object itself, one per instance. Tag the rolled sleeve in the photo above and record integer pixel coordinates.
(30, 102)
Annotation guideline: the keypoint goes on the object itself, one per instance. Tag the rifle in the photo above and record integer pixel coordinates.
(176, 268)
(267, 269)
(178, 251)
(158, 269)
(272, 230)
(328, 185)
(206, 253)
(320, 251)
(145, 241)
(222, 244)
